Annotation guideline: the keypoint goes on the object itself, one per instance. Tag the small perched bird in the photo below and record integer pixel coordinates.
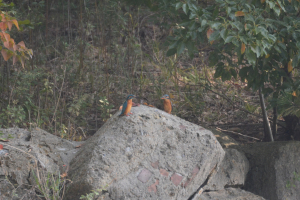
(167, 103)
(127, 105)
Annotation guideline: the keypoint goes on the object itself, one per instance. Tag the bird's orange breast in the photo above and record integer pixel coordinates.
(128, 108)
(167, 106)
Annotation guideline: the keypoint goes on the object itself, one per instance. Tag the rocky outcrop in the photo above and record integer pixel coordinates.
(24, 153)
(149, 155)
(274, 170)
(229, 194)
(232, 171)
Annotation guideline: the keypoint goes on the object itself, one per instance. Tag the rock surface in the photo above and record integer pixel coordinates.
(274, 168)
(20, 155)
(232, 171)
(229, 194)
(149, 155)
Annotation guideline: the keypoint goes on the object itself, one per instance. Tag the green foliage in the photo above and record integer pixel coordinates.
(105, 108)
(94, 194)
(288, 103)
(12, 116)
(50, 186)
(249, 37)
(292, 182)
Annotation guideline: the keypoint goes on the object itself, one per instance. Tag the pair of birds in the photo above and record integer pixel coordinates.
(128, 104)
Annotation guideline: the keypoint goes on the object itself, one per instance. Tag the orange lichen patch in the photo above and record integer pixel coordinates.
(152, 188)
(164, 172)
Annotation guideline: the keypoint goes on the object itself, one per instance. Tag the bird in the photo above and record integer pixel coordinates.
(167, 103)
(127, 105)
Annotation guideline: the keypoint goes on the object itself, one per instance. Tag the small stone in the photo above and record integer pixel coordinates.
(152, 188)
(155, 165)
(144, 175)
(176, 179)
(164, 172)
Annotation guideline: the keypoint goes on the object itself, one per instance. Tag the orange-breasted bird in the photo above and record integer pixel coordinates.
(127, 105)
(167, 103)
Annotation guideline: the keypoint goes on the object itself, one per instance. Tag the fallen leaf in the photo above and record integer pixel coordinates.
(243, 48)
(239, 13)
(79, 146)
(294, 94)
(209, 32)
(1, 146)
(4, 140)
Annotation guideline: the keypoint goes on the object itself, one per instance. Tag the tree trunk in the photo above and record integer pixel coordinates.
(268, 131)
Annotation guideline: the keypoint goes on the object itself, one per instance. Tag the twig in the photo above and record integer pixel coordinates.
(5, 144)
(221, 95)
(235, 125)
(237, 133)
(54, 115)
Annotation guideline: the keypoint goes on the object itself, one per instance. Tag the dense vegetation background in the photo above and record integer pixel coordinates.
(88, 55)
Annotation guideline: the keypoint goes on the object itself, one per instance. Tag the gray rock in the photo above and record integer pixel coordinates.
(232, 171)
(229, 194)
(149, 155)
(21, 154)
(274, 168)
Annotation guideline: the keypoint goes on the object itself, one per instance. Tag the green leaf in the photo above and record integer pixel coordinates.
(228, 10)
(180, 48)
(277, 48)
(219, 71)
(215, 13)
(282, 45)
(244, 73)
(178, 5)
(295, 61)
(233, 73)
(174, 45)
(171, 52)
(193, 16)
(190, 47)
(215, 25)
(224, 33)
(229, 39)
(250, 55)
(213, 59)
(277, 10)
(24, 22)
(203, 22)
(214, 36)
(271, 4)
(184, 8)
(226, 75)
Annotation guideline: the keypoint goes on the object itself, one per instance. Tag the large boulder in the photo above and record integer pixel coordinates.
(232, 171)
(226, 183)
(148, 155)
(29, 152)
(274, 170)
